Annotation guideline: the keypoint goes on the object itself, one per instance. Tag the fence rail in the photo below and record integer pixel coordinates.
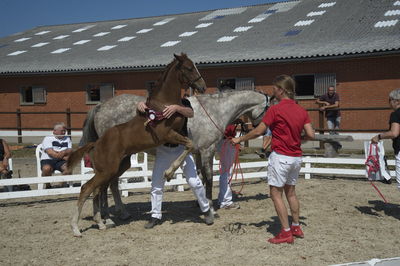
(251, 170)
(69, 114)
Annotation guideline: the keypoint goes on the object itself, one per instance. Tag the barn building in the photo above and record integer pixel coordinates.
(353, 45)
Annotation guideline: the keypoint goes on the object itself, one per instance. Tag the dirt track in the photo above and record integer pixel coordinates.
(344, 220)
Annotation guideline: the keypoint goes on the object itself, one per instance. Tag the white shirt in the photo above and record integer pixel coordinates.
(51, 142)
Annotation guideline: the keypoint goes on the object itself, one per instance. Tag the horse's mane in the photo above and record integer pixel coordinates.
(162, 77)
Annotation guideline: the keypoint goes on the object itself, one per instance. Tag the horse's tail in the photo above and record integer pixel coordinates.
(89, 133)
(77, 155)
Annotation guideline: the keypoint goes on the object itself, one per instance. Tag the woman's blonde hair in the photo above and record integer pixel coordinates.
(286, 83)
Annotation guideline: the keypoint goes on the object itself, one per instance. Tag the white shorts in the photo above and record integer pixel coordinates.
(283, 170)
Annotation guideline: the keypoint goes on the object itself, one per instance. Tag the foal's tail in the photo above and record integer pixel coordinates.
(77, 155)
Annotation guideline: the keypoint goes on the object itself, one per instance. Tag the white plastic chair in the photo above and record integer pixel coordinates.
(143, 166)
(136, 164)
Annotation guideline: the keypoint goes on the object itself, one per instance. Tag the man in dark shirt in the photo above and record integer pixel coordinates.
(394, 130)
(328, 102)
(165, 155)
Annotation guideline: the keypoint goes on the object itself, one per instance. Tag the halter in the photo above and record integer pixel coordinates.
(190, 82)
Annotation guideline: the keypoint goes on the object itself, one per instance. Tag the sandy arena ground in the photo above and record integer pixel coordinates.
(344, 220)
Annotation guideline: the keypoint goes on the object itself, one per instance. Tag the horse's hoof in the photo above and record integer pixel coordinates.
(102, 226)
(77, 234)
(110, 223)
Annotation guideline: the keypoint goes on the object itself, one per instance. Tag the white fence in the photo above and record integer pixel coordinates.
(251, 170)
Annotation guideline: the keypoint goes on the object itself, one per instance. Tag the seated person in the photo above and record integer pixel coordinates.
(5, 154)
(56, 150)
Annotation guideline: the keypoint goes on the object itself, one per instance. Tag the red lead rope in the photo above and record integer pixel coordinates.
(235, 163)
(373, 166)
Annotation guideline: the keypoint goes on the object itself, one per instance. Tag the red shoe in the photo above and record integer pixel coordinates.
(296, 231)
(282, 237)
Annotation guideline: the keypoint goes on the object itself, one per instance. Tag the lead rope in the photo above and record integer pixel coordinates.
(236, 162)
(372, 164)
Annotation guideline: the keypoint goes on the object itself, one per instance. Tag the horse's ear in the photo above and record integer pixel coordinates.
(178, 57)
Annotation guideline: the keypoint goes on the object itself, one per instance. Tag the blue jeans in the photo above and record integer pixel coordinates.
(333, 123)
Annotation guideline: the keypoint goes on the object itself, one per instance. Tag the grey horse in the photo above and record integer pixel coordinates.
(212, 113)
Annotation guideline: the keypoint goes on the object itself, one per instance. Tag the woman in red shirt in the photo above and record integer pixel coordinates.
(286, 120)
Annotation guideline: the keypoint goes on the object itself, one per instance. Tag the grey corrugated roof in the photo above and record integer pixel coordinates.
(324, 28)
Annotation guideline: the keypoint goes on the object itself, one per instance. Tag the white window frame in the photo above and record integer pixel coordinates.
(39, 95)
(102, 87)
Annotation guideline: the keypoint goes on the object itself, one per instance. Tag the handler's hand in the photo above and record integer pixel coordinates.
(142, 107)
(235, 140)
(5, 163)
(375, 139)
(170, 110)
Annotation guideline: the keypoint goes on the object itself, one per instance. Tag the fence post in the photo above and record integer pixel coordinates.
(321, 125)
(19, 126)
(68, 113)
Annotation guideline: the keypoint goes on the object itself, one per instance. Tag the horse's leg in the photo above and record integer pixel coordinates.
(174, 137)
(120, 209)
(96, 208)
(207, 172)
(86, 190)
(119, 206)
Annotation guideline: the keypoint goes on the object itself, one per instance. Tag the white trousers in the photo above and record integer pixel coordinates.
(227, 157)
(397, 160)
(164, 158)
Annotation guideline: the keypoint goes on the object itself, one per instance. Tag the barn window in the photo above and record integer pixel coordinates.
(314, 85)
(99, 92)
(33, 95)
(236, 84)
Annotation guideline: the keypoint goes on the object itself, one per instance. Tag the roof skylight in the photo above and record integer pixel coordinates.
(304, 22)
(392, 13)
(162, 22)
(61, 50)
(127, 38)
(60, 37)
(81, 42)
(292, 32)
(100, 34)
(144, 30)
(84, 28)
(241, 29)
(256, 19)
(226, 38)
(316, 13)
(22, 39)
(40, 44)
(16, 53)
(203, 25)
(187, 33)
(386, 23)
(119, 27)
(169, 43)
(42, 32)
(106, 47)
(323, 5)
(224, 12)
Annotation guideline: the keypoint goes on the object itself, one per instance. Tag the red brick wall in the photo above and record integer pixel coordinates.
(363, 82)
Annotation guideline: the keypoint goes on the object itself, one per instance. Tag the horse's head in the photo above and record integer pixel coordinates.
(189, 74)
(258, 111)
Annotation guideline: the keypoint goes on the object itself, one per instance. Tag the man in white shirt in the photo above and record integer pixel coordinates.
(56, 150)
